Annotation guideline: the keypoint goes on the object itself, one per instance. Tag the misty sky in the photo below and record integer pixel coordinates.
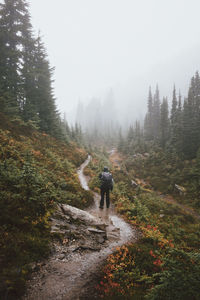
(124, 44)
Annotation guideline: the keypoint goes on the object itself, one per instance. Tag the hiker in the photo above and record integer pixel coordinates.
(106, 185)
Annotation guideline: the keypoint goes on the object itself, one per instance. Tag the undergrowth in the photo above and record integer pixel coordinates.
(165, 262)
(36, 173)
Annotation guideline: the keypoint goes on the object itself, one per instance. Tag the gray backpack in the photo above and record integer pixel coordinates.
(106, 179)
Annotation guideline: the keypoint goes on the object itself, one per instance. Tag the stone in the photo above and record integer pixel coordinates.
(79, 214)
(181, 190)
(61, 256)
(94, 230)
(134, 184)
(101, 240)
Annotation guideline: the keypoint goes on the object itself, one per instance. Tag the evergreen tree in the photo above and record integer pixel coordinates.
(174, 108)
(148, 125)
(49, 120)
(156, 115)
(130, 139)
(191, 119)
(164, 123)
(120, 141)
(174, 120)
(29, 102)
(12, 18)
(179, 128)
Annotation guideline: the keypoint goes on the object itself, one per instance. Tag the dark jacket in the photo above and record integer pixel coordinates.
(106, 180)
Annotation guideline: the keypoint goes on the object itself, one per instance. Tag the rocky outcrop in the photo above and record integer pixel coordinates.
(74, 229)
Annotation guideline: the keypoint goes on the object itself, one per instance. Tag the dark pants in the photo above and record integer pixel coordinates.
(103, 192)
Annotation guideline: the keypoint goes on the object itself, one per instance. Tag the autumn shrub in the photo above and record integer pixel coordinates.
(179, 278)
(25, 200)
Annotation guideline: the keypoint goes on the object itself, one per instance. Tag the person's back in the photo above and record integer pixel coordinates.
(106, 185)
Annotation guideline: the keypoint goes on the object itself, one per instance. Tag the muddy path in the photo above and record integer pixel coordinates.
(71, 274)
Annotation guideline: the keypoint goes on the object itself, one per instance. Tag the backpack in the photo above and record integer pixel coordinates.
(106, 179)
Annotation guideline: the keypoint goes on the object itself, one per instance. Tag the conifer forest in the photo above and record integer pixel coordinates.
(55, 240)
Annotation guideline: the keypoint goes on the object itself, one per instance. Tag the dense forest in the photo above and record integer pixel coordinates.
(156, 160)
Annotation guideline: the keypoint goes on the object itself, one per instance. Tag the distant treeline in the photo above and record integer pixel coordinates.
(176, 129)
(99, 120)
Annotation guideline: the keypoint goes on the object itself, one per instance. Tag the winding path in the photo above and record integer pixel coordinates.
(74, 277)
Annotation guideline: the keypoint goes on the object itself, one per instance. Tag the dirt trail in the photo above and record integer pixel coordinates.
(73, 276)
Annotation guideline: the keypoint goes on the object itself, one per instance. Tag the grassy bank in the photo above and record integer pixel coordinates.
(36, 172)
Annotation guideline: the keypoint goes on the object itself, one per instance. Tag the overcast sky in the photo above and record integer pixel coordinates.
(124, 44)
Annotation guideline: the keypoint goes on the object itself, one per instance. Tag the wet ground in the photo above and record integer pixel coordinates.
(69, 275)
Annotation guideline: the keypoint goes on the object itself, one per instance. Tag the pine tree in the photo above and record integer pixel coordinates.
(11, 22)
(28, 73)
(49, 120)
(148, 125)
(164, 123)
(174, 108)
(179, 127)
(197, 111)
(120, 141)
(191, 119)
(174, 121)
(156, 115)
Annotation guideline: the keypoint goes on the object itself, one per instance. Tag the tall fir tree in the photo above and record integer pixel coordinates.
(44, 100)
(156, 115)
(28, 73)
(164, 123)
(174, 121)
(148, 125)
(191, 119)
(11, 23)
(174, 107)
(179, 127)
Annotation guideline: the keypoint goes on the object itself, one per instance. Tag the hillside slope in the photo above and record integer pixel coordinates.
(36, 172)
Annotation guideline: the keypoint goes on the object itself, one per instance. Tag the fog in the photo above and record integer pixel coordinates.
(121, 45)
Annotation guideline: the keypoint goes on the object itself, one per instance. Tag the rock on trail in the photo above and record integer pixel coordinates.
(83, 240)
